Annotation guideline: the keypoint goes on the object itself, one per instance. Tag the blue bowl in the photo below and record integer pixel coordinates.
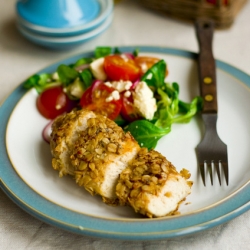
(35, 19)
(64, 42)
(58, 13)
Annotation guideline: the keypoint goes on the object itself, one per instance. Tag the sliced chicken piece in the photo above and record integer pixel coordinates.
(152, 185)
(65, 131)
(100, 154)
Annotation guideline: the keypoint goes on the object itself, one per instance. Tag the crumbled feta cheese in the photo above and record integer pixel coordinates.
(109, 98)
(97, 69)
(127, 94)
(121, 85)
(113, 96)
(127, 85)
(108, 84)
(144, 100)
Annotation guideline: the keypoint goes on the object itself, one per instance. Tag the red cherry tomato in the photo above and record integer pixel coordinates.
(53, 102)
(119, 67)
(86, 98)
(95, 99)
(91, 93)
(128, 111)
(146, 62)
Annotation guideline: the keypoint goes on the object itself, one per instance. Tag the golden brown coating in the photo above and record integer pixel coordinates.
(65, 131)
(101, 152)
(152, 185)
(93, 149)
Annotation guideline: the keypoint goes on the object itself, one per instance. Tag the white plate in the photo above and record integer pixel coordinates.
(30, 157)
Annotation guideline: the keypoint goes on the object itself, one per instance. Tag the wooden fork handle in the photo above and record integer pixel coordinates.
(206, 65)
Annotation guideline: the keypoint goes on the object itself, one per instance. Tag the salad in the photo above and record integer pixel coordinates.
(126, 87)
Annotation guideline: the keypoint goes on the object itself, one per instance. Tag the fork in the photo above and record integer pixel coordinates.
(211, 151)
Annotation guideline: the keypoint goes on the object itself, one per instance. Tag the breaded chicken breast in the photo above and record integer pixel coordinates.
(152, 185)
(65, 131)
(109, 162)
(92, 148)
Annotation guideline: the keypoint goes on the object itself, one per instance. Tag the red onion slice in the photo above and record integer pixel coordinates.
(47, 131)
(129, 55)
(134, 84)
(82, 67)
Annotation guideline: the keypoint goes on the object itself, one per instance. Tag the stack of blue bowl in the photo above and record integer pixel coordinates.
(60, 24)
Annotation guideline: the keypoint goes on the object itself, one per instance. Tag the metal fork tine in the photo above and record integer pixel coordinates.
(209, 168)
(225, 169)
(202, 170)
(217, 167)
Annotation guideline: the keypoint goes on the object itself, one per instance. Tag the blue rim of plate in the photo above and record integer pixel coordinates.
(125, 229)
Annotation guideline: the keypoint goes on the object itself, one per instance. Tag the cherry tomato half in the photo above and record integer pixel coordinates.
(53, 102)
(119, 67)
(128, 111)
(146, 62)
(95, 98)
